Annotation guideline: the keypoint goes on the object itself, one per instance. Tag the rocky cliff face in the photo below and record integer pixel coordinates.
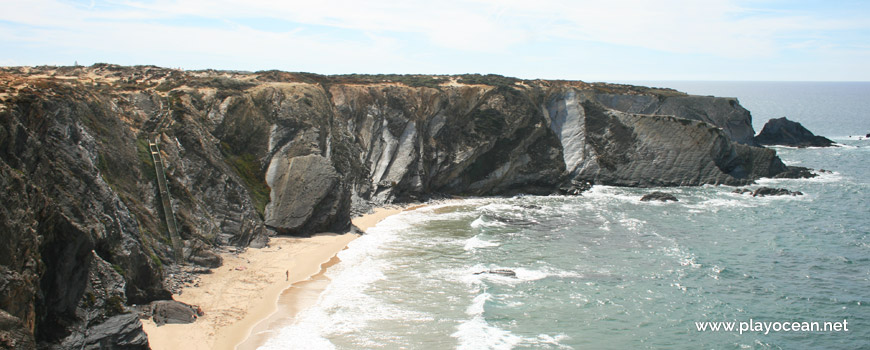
(781, 131)
(249, 155)
(607, 146)
(725, 113)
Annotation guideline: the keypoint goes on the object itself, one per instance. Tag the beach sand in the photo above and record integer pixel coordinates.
(251, 292)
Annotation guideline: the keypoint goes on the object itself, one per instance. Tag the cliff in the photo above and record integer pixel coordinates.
(249, 155)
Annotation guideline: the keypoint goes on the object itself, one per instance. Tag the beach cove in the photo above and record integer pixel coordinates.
(245, 291)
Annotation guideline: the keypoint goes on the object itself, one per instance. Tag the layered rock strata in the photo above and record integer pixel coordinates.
(249, 155)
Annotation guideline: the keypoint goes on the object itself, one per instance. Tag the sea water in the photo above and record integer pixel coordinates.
(607, 271)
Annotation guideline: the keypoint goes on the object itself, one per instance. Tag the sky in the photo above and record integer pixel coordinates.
(612, 40)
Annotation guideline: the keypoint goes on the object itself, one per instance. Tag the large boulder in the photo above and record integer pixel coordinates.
(784, 132)
(658, 196)
(171, 311)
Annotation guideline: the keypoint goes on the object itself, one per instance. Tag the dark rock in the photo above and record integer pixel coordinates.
(742, 191)
(725, 113)
(575, 187)
(784, 132)
(797, 172)
(123, 332)
(170, 311)
(658, 196)
(867, 136)
(201, 254)
(14, 334)
(500, 272)
(616, 148)
(769, 191)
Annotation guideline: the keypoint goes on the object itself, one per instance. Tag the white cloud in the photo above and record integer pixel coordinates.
(385, 31)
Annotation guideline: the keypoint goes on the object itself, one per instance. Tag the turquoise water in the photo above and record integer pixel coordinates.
(606, 271)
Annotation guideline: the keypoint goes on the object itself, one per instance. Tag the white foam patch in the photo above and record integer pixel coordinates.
(475, 243)
(482, 222)
(477, 274)
(476, 333)
(598, 193)
(477, 305)
(731, 200)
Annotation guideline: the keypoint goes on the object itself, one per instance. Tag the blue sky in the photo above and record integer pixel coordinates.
(553, 39)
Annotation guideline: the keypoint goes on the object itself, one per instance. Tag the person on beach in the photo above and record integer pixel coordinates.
(288, 275)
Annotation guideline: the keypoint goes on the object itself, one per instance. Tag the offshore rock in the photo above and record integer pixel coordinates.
(500, 272)
(797, 172)
(575, 187)
(768, 191)
(658, 196)
(784, 132)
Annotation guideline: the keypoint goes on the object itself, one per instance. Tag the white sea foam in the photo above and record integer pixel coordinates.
(730, 200)
(477, 274)
(607, 193)
(474, 243)
(476, 333)
(344, 307)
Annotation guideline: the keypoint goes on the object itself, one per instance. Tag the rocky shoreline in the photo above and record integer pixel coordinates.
(248, 156)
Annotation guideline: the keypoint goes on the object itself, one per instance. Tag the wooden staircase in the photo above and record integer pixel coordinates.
(168, 213)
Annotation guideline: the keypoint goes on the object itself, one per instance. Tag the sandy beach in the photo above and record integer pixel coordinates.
(243, 295)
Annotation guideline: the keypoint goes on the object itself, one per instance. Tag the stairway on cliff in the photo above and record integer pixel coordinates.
(166, 201)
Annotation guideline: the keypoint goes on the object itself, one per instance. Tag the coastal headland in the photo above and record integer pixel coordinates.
(120, 183)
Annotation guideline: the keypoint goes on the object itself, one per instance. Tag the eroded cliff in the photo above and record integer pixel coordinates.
(249, 155)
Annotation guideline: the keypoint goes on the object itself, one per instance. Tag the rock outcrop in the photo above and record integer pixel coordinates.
(768, 191)
(797, 172)
(659, 196)
(170, 311)
(725, 113)
(498, 272)
(83, 232)
(784, 132)
(609, 147)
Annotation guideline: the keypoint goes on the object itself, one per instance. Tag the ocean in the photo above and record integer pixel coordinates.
(607, 271)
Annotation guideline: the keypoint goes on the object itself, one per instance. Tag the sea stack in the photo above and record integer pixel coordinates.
(784, 132)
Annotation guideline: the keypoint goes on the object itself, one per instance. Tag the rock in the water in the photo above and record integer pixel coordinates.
(658, 196)
(769, 191)
(170, 311)
(796, 172)
(500, 272)
(575, 187)
(742, 191)
(785, 132)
